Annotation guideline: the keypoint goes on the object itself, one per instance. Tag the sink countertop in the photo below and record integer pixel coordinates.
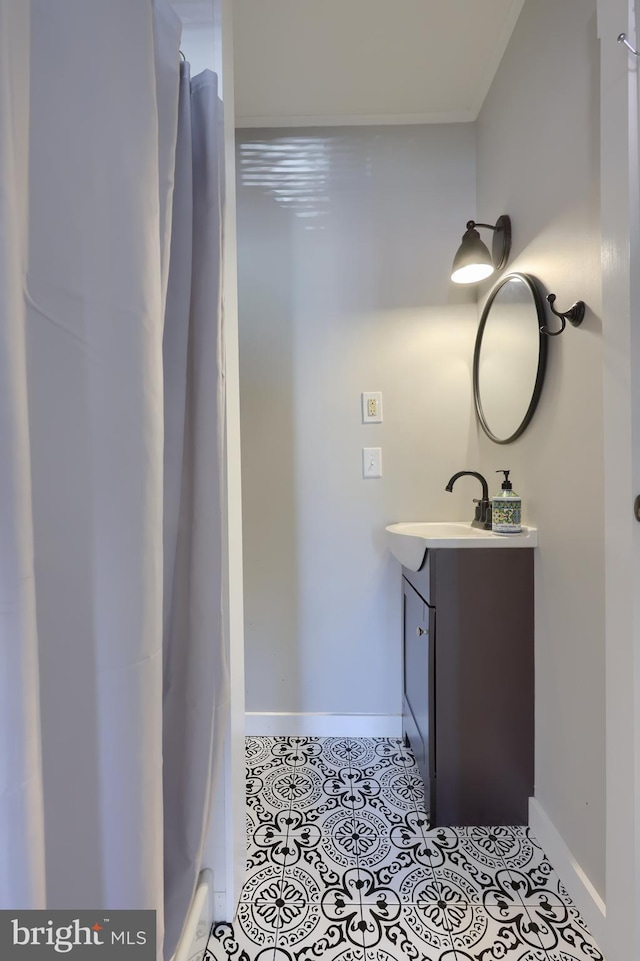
(409, 541)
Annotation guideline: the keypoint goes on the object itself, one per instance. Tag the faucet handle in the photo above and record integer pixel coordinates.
(483, 511)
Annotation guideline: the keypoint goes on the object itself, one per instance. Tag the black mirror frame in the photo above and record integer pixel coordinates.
(542, 356)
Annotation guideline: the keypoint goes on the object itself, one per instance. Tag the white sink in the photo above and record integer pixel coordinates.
(409, 542)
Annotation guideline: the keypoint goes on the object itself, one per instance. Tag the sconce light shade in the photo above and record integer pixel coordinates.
(473, 262)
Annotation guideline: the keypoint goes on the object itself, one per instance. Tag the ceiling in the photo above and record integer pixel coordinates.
(366, 61)
(305, 62)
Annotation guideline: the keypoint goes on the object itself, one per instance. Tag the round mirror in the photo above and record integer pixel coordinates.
(509, 358)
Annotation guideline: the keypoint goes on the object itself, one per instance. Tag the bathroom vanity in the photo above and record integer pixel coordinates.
(469, 681)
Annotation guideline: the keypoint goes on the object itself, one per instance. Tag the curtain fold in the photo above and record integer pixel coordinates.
(106, 435)
(195, 673)
(22, 865)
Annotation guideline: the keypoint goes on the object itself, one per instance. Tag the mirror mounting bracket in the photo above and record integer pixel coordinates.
(575, 315)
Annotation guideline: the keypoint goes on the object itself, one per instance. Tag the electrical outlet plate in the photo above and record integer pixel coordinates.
(372, 407)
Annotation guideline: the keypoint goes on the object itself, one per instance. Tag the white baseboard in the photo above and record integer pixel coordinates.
(219, 910)
(580, 889)
(323, 725)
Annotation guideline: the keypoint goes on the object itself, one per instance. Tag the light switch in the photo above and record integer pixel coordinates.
(372, 407)
(372, 462)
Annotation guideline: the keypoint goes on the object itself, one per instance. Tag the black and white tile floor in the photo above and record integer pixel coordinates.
(342, 865)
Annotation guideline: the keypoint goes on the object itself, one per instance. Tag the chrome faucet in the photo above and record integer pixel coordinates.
(482, 517)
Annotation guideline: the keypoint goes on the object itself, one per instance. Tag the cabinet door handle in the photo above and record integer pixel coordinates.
(420, 631)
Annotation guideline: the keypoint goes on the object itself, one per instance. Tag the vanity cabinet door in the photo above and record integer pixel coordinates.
(485, 686)
(418, 662)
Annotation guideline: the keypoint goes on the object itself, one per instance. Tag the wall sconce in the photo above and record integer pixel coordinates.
(575, 315)
(473, 262)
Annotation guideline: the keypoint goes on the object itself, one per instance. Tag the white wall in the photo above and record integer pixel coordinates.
(345, 245)
(620, 184)
(198, 45)
(538, 160)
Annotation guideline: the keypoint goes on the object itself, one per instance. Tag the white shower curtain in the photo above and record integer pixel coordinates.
(22, 871)
(88, 128)
(195, 673)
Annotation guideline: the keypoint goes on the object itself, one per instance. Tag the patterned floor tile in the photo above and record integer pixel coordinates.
(324, 948)
(402, 841)
(325, 755)
(257, 861)
(372, 754)
(403, 950)
(456, 885)
(274, 850)
(316, 872)
(563, 934)
(227, 942)
(352, 752)
(525, 853)
(414, 932)
(334, 938)
(462, 864)
(416, 885)
(271, 791)
(258, 751)
(262, 882)
(353, 787)
(379, 754)
(400, 874)
(280, 840)
(261, 826)
(536, 895)
(455, 844)
(492, 844)
(258, 922)
(360, 886)
(296, 750)
(318, 796)
(344, 751)
(390, 794)
(343, 866)
(346, 834)
(308, 794)
(403, 788)
(477, 933)
(532, 873)
(362, 928)
(252, 821)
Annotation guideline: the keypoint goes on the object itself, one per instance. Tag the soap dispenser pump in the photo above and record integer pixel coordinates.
(506, 508)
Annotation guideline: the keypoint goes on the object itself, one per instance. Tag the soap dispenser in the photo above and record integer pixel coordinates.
(506, 508)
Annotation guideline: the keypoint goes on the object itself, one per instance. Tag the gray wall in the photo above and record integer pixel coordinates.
(345, 244)
(538, 160)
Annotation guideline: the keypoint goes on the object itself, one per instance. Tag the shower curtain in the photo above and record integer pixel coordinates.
(193, 454)
(111, 651)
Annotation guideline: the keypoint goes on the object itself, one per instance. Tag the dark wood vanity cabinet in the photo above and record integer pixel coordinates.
(468, 682)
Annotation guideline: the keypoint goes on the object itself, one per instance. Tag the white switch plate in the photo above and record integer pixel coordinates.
(372, 462)
(372, 407)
